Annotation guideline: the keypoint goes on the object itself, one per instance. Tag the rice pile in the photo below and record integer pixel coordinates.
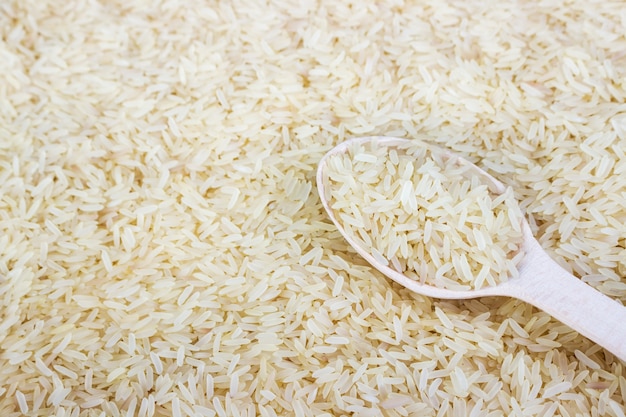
(422, 213)
(162, 249)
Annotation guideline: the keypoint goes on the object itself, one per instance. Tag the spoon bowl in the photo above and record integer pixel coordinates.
(541, 281)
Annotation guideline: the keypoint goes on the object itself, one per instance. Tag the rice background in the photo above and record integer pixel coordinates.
(162, 248)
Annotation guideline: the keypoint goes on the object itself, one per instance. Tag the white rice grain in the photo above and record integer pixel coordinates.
(554, 389)
(21, 402)
(176, 407)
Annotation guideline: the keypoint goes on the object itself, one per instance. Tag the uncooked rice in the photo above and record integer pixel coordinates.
(162, 247)
(419, 211)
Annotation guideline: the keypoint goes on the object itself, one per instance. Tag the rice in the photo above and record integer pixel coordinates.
(432, 218)
(21, 401)
(162, 247)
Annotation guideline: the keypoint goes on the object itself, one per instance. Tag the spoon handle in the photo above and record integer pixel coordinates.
(546, 285)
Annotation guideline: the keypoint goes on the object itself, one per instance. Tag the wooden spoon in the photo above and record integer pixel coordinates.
(541, 281)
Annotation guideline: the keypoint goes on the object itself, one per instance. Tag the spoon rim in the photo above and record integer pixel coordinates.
(506, 288)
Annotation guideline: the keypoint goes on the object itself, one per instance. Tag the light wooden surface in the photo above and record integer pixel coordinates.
(541, 282)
